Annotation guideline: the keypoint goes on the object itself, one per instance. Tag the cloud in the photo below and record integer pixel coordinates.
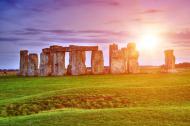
(145, 20)
(111, 33)
(45, 36)
(33, 43)
(20, 11)
(114, 22)
(57, 31)
(39, 37)
(10, 39)
(85, 40)
(67, 3)
(137, 19)
(68, 32)
(178, 40)
(151, 11)
(49, 5)
(182, 35)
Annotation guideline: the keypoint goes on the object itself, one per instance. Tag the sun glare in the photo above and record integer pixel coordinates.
(148, 41)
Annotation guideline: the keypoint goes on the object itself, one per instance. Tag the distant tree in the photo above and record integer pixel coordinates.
(182, 65)
(5, 72)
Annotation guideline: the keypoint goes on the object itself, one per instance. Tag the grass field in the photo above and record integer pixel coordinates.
(98, 100)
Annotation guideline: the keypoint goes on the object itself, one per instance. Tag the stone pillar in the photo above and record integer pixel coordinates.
(117, 60)
(77, 63)
(58, 61)
(125, 53)
(69, 69)
(133, 55)
(112, 49)
(59, 64)
(97, 62)
(23, 62)
(45, 62)
(169, 61)
(33, 65)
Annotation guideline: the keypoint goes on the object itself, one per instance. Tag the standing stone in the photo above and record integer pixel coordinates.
(169, 61)
(58, 61)
(77, 63)
(23, 62)
(69, 70)
(112, 49)
(117, 60)
(125, 53)
(42, 64)
(97, 62)
(45, 63)
(33, 65)
(59, 64)
(133, 66)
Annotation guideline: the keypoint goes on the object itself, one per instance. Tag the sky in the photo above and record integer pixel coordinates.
(36, 24)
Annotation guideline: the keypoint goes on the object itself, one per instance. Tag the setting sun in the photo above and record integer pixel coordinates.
(148, 41)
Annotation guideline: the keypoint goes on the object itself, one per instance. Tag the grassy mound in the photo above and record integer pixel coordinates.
(136, 116)
(71, 101)
(99, 98)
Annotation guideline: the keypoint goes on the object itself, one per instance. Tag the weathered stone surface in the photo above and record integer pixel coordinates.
(169, 61)
(77, 63)
(33, 65)
(58, 61)
(69, 70)
(125, 53)
(112, 49)
(117, 60)
(45, 63)
(131, 46)
(75, 48)
(133, 66)
(23, 63)
(82, 48)
(97, 62)
(124, 60)
(59, 64)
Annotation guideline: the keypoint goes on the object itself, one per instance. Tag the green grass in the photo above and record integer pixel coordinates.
(138, 116)
(154, 99)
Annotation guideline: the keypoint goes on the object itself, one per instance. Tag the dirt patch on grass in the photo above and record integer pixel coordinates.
(57, 102)
(94, 99)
